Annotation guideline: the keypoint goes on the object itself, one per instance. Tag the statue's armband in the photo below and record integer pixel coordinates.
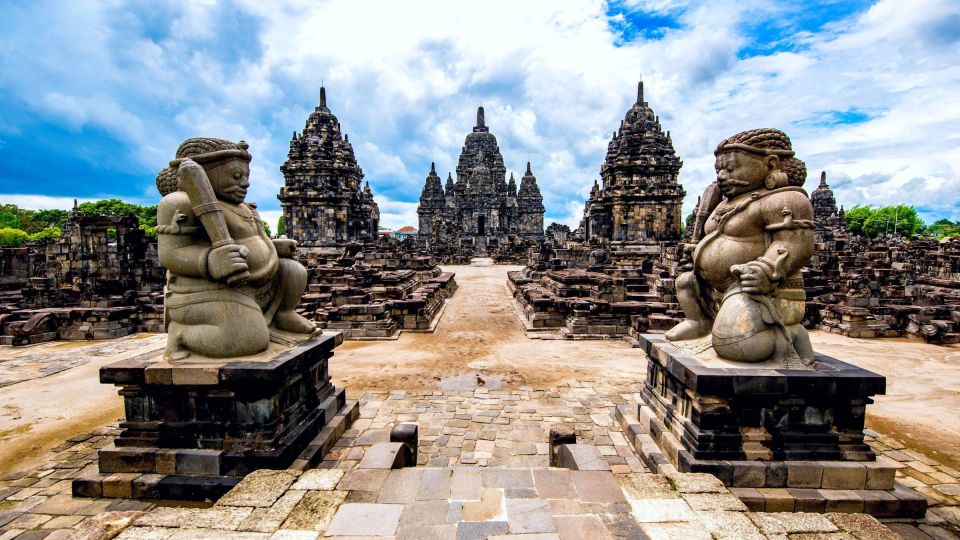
(789, 223)
(177, 227)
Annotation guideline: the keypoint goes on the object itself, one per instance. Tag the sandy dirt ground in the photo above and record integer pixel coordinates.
(479, 340)
(40, 413)
(478, 335)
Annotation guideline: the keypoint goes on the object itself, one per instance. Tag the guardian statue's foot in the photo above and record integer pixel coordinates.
(688, 329)
(291, 321)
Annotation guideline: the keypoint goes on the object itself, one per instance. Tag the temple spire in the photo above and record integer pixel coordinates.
(323, 97)
(640, 92)
(433, 168)
(480, 118)
(529, 172)
(823, 179)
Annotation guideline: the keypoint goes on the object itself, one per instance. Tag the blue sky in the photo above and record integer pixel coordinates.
(96, 96)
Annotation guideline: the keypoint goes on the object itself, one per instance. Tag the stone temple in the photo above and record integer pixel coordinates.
(482, 213)
(323, 202)
(640, 198)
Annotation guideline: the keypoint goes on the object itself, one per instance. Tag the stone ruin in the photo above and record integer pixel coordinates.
(612, 278)
(365, 286)
(99, 280)
(882, 287)
(482, 214)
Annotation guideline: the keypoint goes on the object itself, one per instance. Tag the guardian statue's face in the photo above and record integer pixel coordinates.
(741, 172)
(230, 180)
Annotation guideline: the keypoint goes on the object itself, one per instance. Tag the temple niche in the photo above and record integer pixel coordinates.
(481, 213)
(323, 203)
(639, 199)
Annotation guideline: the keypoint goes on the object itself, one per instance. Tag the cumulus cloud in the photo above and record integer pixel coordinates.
(866, 92)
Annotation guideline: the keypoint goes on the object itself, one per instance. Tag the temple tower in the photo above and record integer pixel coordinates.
(640, 199)
(323, 202)
(481, 212)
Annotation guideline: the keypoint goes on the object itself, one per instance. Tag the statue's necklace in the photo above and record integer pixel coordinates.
(247, 215)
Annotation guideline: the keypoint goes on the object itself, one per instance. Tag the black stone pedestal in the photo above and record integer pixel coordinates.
(194, 428)
(744, 412)
(791, 439)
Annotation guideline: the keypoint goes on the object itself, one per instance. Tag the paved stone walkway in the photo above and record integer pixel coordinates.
(436, 500)
(497, 428)
(18, 364)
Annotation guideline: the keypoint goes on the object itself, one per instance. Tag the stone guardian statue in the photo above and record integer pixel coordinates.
(753, 233)
(231, 289)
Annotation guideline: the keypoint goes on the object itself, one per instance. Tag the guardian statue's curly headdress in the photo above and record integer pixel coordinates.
(769, 142)
(203, 150)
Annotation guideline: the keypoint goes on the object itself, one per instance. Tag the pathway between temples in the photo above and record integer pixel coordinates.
(479, 335)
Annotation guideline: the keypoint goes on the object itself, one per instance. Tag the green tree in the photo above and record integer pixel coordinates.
(49, 232)
(51, 218)
(856, 216)
(281, 226)
(266, 228)
(115, 207)
(8, 220)
(900, 218)
(12, 237)
(19, 218)
(944, 228)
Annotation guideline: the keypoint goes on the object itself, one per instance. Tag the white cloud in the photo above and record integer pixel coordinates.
(405, 84)
(41, 202)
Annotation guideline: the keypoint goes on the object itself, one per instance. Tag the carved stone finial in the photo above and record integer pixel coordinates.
(640, 92)
(323, 98)
(529, 172)
(823, 179)
(480, 117)
(433, 168)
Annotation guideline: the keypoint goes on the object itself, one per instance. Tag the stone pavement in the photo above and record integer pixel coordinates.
(496, 428)
(509, 490)
(18, 364)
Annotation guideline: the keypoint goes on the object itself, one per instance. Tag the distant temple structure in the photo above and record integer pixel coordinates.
(482, 212)
(323, 202)
(825, 213)
(640, 199)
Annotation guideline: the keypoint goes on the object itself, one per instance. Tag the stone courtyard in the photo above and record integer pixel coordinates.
(485, 399)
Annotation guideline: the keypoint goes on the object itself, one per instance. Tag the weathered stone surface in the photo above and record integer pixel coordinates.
(227, 518)
(270, 519)
(729, 525)
(697, 483)
(365, 520)
(526, 516)
(490, 507)
(862, 526)
(319, 479)
(650, 486)
(260, 488)
(789, 523)
(315, 510)
(105, 525)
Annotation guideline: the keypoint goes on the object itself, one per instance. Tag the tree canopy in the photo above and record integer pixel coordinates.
(872, 222)
(39, 224)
